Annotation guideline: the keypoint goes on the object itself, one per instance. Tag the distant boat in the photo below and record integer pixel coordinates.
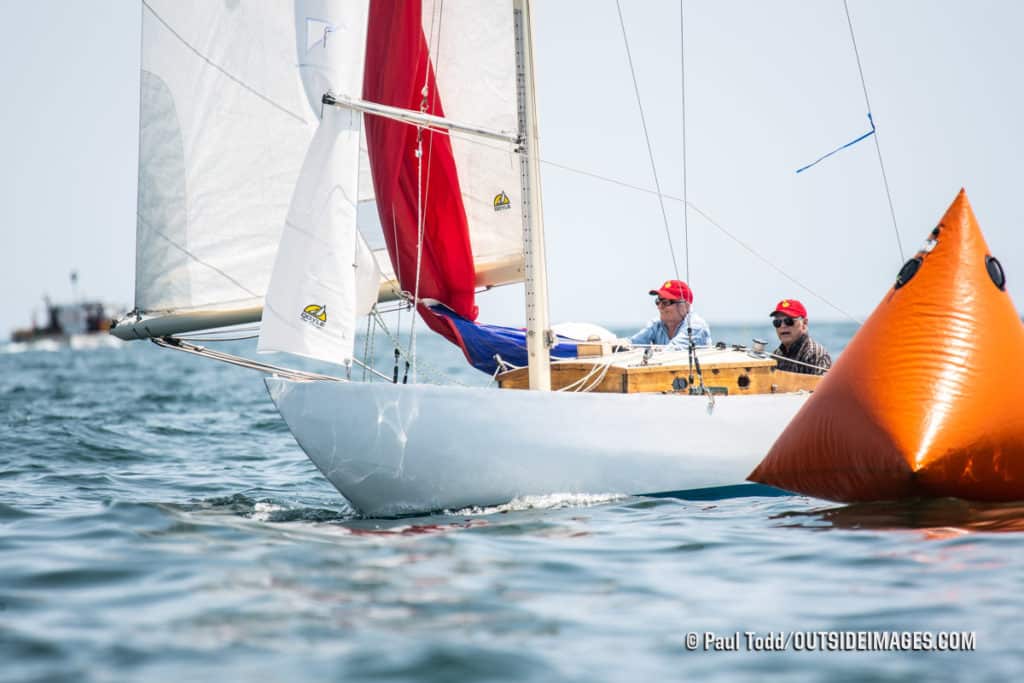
(78, 323)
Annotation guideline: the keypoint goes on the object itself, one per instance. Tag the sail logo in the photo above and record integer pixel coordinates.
(502, 202)
(315, 315)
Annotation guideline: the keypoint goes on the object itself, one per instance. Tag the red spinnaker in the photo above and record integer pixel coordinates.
(397, 65)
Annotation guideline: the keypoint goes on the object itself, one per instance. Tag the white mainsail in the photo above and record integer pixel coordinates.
(224, 127)
(324, 275)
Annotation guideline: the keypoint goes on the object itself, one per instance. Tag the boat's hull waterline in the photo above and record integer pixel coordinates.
(405, 449)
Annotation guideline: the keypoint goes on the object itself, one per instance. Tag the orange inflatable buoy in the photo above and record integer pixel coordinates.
(928, 398)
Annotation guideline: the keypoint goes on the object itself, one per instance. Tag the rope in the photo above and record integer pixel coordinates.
(647, 138)
(600, 369)
(597, 380)
(878, 146)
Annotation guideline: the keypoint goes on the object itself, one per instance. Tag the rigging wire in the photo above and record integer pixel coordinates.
(774, 267)
(421, 200)
(419, 253)
(687, 205)
(430, 370)
(694, 362)
(647, 137)
(682, 90)
(398, 269)
(878, 146)
(718, 226)
(367, 344)
(180, 345)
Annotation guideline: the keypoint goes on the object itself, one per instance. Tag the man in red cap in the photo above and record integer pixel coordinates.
(797, 352)
(677, 324)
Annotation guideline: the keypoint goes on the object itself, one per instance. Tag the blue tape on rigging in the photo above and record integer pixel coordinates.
(839, 149)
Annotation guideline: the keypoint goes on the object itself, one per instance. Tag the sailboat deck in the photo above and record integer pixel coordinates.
(725, 371)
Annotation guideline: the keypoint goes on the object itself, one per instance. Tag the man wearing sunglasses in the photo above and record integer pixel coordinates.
(676, 323)
(797, 352)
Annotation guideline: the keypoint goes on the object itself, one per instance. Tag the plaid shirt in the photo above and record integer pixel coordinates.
(805, 350)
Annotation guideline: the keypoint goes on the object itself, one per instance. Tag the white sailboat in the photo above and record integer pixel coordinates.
(253, 198)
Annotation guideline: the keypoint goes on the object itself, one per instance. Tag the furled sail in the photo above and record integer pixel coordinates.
(455, 60)
(224, 127)
(324, 275)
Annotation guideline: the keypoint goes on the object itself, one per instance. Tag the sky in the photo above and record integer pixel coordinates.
(770, 86)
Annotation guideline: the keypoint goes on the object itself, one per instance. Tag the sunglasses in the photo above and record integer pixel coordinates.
(787, 321)
(659, 302)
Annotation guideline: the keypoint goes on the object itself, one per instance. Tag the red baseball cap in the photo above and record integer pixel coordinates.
(676, 290)
(790, 307)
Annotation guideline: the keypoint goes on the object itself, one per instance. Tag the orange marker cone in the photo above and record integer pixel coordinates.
(928, 398)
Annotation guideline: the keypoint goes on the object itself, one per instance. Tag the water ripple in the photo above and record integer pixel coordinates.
(158, 522)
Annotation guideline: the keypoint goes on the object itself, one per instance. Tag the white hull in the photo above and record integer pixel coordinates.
(402, 449)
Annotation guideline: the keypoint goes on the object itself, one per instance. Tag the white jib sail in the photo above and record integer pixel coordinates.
(325, 275)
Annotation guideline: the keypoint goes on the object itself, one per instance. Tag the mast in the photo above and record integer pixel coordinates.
(538, 333)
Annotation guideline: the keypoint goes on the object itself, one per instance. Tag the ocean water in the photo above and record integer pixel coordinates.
(159, 523)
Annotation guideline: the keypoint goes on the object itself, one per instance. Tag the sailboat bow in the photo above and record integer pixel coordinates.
(404, 449)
